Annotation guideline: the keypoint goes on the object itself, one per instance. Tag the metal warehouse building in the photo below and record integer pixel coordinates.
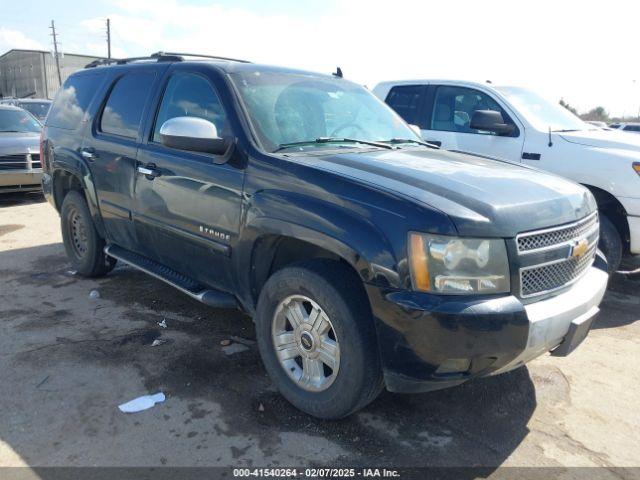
(32, 73)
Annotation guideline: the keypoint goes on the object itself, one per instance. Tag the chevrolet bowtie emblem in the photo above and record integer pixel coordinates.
(579, 248)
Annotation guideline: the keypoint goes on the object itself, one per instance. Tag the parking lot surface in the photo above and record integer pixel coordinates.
(68, 360)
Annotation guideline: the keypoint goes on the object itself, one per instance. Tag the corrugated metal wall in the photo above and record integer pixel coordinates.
(33, 73)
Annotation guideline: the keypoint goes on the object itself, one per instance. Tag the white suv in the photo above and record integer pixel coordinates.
(519, 126)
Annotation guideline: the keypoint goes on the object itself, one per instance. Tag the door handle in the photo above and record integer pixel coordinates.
(89, 153)
(437, 143)
(150, 171)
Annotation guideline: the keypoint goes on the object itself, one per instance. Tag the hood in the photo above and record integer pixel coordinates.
(15, 143)
(604, 139)
(482, 197)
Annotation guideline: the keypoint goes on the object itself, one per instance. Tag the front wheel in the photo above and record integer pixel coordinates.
(317, 340)
(610, 243)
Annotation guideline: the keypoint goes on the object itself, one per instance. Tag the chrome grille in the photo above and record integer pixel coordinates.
(547, 256)
(21, 161)
(13, 162)
(528, 242)
(547, 278)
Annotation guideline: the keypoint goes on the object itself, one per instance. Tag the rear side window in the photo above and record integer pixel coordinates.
(72, 101)
(632, 128)
(122, 113)
(406, 101)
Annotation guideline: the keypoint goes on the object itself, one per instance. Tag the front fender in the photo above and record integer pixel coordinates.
(348, 230)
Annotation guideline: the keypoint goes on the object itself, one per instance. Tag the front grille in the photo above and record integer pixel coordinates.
(547, 278)
(20, 161)
(13, 162)
(544, 239)
(549, 258)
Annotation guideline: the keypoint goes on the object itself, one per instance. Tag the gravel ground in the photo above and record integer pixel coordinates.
(67, 361)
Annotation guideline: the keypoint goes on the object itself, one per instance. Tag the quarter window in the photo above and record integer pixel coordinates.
(72, 101)
(191, 95)
(122, 113)
(406, 101)
(453, 109)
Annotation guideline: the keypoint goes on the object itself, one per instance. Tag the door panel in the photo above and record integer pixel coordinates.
(189, 215)
(187, 212)
(110, 150)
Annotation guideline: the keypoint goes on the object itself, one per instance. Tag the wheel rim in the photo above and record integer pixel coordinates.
(306, 343)
(78, 233)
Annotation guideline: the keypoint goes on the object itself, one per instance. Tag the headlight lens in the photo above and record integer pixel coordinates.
(458, 266)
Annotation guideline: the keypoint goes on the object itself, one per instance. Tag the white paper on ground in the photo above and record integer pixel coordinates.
(141, 403)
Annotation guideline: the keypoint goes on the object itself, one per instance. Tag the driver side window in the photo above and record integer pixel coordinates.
(453, 108)
(191, 95)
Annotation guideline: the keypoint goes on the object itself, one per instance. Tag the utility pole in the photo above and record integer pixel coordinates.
(108, 38)
(55, 50)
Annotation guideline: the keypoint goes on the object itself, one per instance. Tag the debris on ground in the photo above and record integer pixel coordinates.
(71, 272)
(261, 407)
(43, 381)
(163, 323)
(244, 341)
(234, 348)
(225, 343)
(141, 403)
(158, 341)
(93, 294)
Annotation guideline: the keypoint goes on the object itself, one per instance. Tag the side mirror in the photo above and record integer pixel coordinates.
(193, 134)
(490, 121)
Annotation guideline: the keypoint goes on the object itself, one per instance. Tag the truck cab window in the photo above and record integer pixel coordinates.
(454, 108)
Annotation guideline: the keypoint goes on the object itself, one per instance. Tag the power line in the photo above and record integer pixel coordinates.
(55, 50)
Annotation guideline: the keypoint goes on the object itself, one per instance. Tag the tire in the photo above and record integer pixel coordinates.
(83, 244)
(337, 291)
(610, 243)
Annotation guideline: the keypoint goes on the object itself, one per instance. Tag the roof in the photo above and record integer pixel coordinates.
(46, 51)
(24, 100)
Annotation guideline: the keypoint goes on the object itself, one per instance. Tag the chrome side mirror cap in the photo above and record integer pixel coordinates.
(192, 134)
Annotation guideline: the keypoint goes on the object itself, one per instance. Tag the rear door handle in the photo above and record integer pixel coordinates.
(150, 171)
(89, 153)
(437, 143)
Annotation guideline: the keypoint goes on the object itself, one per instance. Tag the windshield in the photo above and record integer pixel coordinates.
(18, 121)
(542, 113)
(292, 108)
(39, 109)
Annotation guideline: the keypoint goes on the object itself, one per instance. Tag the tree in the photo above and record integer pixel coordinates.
(568, 107)
(597, 113)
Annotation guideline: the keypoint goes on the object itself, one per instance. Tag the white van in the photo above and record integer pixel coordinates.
(518, 125)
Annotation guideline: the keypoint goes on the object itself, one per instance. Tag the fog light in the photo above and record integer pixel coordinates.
(454, 365)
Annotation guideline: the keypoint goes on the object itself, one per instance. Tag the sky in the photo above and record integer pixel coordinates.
(582, 51)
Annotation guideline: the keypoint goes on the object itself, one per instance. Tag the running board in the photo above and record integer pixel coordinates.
(213, 298)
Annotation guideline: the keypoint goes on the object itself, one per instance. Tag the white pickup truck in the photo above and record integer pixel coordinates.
(519, 126)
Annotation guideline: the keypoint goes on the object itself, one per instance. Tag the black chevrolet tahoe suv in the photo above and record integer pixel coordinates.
(367, 258)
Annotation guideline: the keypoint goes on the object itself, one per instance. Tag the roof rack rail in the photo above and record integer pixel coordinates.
(158, 57)
(216, 57)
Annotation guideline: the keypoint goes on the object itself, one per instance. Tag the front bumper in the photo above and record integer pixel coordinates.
(428, 342)
(20, 180)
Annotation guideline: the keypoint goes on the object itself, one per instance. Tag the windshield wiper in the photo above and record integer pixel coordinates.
(565, 130)
(320, 140)
(395, 141)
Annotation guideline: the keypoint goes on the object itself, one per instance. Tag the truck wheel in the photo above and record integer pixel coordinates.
(610, 243)
(317, 340)
(82, 243)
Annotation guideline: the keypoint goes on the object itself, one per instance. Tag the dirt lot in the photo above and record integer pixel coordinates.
(68, 360)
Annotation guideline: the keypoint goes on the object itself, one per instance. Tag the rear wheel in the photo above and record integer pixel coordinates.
(610, 243)
(317, 340)
(83, 244)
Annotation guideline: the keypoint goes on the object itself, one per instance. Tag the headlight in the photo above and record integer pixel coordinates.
(462, 266)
